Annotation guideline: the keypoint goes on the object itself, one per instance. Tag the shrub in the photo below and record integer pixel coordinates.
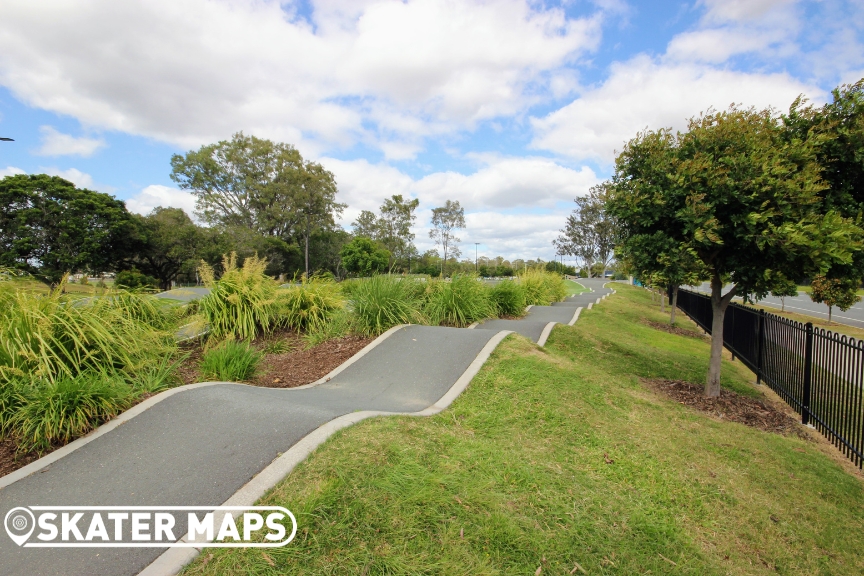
(381, 302)
(459, 302)
(339, 324)
(541, 287)
(57, 412)
(230, 361)
(242, 303)
(309, 304)
(509, 298)
(46, 337)
(135, 280)
(364, 256)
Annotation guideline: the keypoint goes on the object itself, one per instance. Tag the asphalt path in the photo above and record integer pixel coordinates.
(199, 446)
(801, 304)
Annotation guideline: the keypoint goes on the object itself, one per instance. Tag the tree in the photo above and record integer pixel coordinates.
(445, 221)
(739, 197)
(364, 257)
(366, 225)
(781, 287)
(589, 232)
(316, 204)
(397, 217)
(245, 181)
(48, 227)
(170, 242)
(134, 280)
(834, 292)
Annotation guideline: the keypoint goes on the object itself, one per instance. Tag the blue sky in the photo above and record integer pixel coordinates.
(512, 107)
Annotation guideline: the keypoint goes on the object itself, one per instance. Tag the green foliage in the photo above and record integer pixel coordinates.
(509, 298)
(59, 411)
(47, 337)
(276, 346)
(459, 302)
(135, 280)
(243, 302)
(230, 361)
(170, 242)
(340, 324)
(834, 292)
(310, 304)
(542, 288)
(364, 257)
(48, 227)
(383, 301)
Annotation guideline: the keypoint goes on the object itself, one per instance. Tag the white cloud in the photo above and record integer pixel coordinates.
(157, 195)
(10, 171)
(644, 93)
(196, 71)
(80, 179)
(56, 143)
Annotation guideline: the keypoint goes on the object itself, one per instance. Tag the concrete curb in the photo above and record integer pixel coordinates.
(41, 463)
(545, 334)
(590, 305)
(575, 317)
(174, 559)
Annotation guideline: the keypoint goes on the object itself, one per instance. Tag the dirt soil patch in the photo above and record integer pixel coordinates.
(675, 329)
(306, 366)
(729, 406)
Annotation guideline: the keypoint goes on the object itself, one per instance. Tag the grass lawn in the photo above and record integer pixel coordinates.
(818, 322)
(574, 287)
(559, 461)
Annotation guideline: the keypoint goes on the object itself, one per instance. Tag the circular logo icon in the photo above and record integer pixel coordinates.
(19, 523)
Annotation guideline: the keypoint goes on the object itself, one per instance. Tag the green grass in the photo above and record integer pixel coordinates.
(230, 361)
(574, 288)
(383, 301)
(508, 297)
(459, 302)
(514, 475)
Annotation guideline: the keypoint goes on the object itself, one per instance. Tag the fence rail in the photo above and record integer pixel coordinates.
(818, 373)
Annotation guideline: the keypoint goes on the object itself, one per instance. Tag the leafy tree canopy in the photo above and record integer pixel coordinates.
(49, 227)
(364, 257)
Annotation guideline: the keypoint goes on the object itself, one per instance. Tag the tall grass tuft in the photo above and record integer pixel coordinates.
(242, 303)
(52, 336)
(381, 302)
(459, 302)
(509, 298)
(340, 324)
(541, 287)
(309, 305)
(230, 361)
(59, 411)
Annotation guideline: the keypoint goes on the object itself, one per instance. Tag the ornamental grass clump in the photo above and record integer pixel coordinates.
(542, 288)
(243, 302)
(509, 298)
(459, 302)
(381, 302)
(45, 337)
(310, 305)
(230, 361)
(57, 412)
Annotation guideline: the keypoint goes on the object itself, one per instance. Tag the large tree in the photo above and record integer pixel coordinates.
(48, 227)
(397, 217)
(170, 242)
(245, 181)
(446, 220)
(589, 232)
(316, 205)
(734, 192)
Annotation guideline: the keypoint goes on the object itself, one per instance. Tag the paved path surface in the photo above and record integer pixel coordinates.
(198, 447)
(802, 304)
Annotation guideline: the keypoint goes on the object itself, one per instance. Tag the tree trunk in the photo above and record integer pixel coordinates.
(783, 304)
(307, 255)
(662, 302)
(719, 303)
(674, 304)
(829, 314)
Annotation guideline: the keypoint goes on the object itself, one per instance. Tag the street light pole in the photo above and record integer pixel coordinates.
(476, 244)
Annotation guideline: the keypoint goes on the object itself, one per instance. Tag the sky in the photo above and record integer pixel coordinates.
(511, 107)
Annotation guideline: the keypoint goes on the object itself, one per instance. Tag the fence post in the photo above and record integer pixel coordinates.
(808, 370)
(760, 335)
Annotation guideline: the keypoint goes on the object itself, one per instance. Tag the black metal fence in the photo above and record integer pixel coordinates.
(817, 372)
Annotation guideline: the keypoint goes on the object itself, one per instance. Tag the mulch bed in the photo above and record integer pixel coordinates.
(293, 368)
(674, 329)
(306, 366)
(729, 406)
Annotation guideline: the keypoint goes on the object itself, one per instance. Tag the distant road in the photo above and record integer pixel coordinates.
(802, 304)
